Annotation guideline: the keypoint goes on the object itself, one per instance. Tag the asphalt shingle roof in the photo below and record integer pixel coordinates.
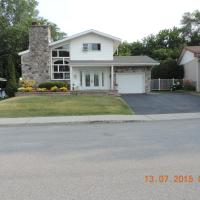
(119, 61)
(193, 49)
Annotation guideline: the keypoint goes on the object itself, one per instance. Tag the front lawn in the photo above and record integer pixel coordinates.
(30, 106)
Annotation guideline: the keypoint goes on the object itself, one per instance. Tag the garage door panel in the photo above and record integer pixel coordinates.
(130, 83)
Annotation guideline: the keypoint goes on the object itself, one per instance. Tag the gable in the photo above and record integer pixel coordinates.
(186, 57)
(116, 40)
(105, 53)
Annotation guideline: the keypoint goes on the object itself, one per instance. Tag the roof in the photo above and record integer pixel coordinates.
(194, 49)
(2, 79)
(118, 61)
(84, 33)
(116, 40)
(23, 52)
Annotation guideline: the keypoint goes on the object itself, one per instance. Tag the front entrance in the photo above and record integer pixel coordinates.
(93, 79)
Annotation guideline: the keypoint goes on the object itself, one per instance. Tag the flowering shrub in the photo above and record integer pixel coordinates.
(27, 83)
(41, 89)
(25, 89)
(28, 89)
(49, 85)
(21, 89)
(54, 89)
(63, 89)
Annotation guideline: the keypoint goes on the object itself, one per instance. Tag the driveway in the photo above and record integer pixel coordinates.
(163, 103)
(100, 161)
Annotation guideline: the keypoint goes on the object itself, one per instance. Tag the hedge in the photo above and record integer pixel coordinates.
(49, 85)
(167, 69)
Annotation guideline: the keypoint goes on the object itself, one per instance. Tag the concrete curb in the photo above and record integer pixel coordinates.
(95, 119)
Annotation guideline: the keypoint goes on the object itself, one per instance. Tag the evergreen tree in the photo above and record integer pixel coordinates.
(11, 86)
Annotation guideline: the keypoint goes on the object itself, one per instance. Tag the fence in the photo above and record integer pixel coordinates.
(164, 84)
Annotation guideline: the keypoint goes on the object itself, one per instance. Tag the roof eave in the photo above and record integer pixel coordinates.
(114, 64)
(84, 33)
(23, 52)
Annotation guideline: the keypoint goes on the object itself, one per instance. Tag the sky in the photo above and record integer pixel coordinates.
(130, 20)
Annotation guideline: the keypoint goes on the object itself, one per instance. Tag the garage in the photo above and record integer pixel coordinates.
(130, 82)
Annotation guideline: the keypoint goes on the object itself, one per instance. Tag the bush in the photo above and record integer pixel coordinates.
(25, 89)
(49, 85)
(189, 85)
(54, 89)
(167, 69)
(27, 83)
(176, 86)
(63, 89)
(41, 89)
(21, 89)
(28, 89)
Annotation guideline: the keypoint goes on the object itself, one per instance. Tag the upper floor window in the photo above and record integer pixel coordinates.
(61, 52)
(91, 46)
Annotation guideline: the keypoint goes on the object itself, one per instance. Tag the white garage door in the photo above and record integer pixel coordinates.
(130, 82)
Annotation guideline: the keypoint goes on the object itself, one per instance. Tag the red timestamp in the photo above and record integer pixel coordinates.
(172, 179)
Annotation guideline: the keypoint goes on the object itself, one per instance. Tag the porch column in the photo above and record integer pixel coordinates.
(71, 82)
(112, 79)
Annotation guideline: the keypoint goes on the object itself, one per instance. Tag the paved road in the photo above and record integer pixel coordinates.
(99, 161)
(163, 103)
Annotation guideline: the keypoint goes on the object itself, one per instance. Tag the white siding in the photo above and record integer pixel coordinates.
(106, 52)
(187, 57)
(190, 70)
(198, 82)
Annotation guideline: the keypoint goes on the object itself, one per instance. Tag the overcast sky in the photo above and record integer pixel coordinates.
(129, 20)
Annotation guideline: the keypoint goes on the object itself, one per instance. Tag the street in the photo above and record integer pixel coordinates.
(100, 161)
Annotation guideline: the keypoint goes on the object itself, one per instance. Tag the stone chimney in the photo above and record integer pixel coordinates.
(36, 65)
(39, 37)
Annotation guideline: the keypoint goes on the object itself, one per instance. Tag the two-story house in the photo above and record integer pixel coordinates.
(85, 61)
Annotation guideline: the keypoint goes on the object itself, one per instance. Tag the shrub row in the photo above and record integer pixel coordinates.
(49, 85)
(52, 89)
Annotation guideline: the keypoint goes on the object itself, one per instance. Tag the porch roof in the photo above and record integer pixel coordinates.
(117, 61)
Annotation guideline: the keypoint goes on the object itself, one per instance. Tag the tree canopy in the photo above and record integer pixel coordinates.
(166, 46)
(15, 18)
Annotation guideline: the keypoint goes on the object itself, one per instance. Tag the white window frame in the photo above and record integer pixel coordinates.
(89, 47)
(57, 72)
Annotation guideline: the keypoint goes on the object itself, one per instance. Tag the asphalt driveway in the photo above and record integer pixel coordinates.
(163, 103)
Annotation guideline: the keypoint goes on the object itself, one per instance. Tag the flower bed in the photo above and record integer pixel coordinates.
(46, 93)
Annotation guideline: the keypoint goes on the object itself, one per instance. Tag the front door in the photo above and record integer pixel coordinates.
(93, 79)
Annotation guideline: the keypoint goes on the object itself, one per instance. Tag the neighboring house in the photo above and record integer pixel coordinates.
(190, 59)
(85, 61)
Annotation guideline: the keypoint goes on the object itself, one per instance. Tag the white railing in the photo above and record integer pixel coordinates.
(164, 84)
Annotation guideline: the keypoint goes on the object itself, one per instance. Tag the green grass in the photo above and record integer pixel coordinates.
(30, 106)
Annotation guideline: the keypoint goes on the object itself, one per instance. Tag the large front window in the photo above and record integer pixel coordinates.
(61, 70)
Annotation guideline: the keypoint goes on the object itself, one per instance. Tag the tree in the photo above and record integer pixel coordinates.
(168, 69)
(11, 86)
(15, 18)
(191, 27)
(124, 49)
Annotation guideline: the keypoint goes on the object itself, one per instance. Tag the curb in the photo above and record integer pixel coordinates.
(64, 120)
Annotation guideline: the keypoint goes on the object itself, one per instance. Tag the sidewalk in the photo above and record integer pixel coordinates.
(95, 118)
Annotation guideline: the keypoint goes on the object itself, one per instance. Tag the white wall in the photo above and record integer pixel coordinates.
(198, 82)
(106, 52)
(187, 57)
(190, 70)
